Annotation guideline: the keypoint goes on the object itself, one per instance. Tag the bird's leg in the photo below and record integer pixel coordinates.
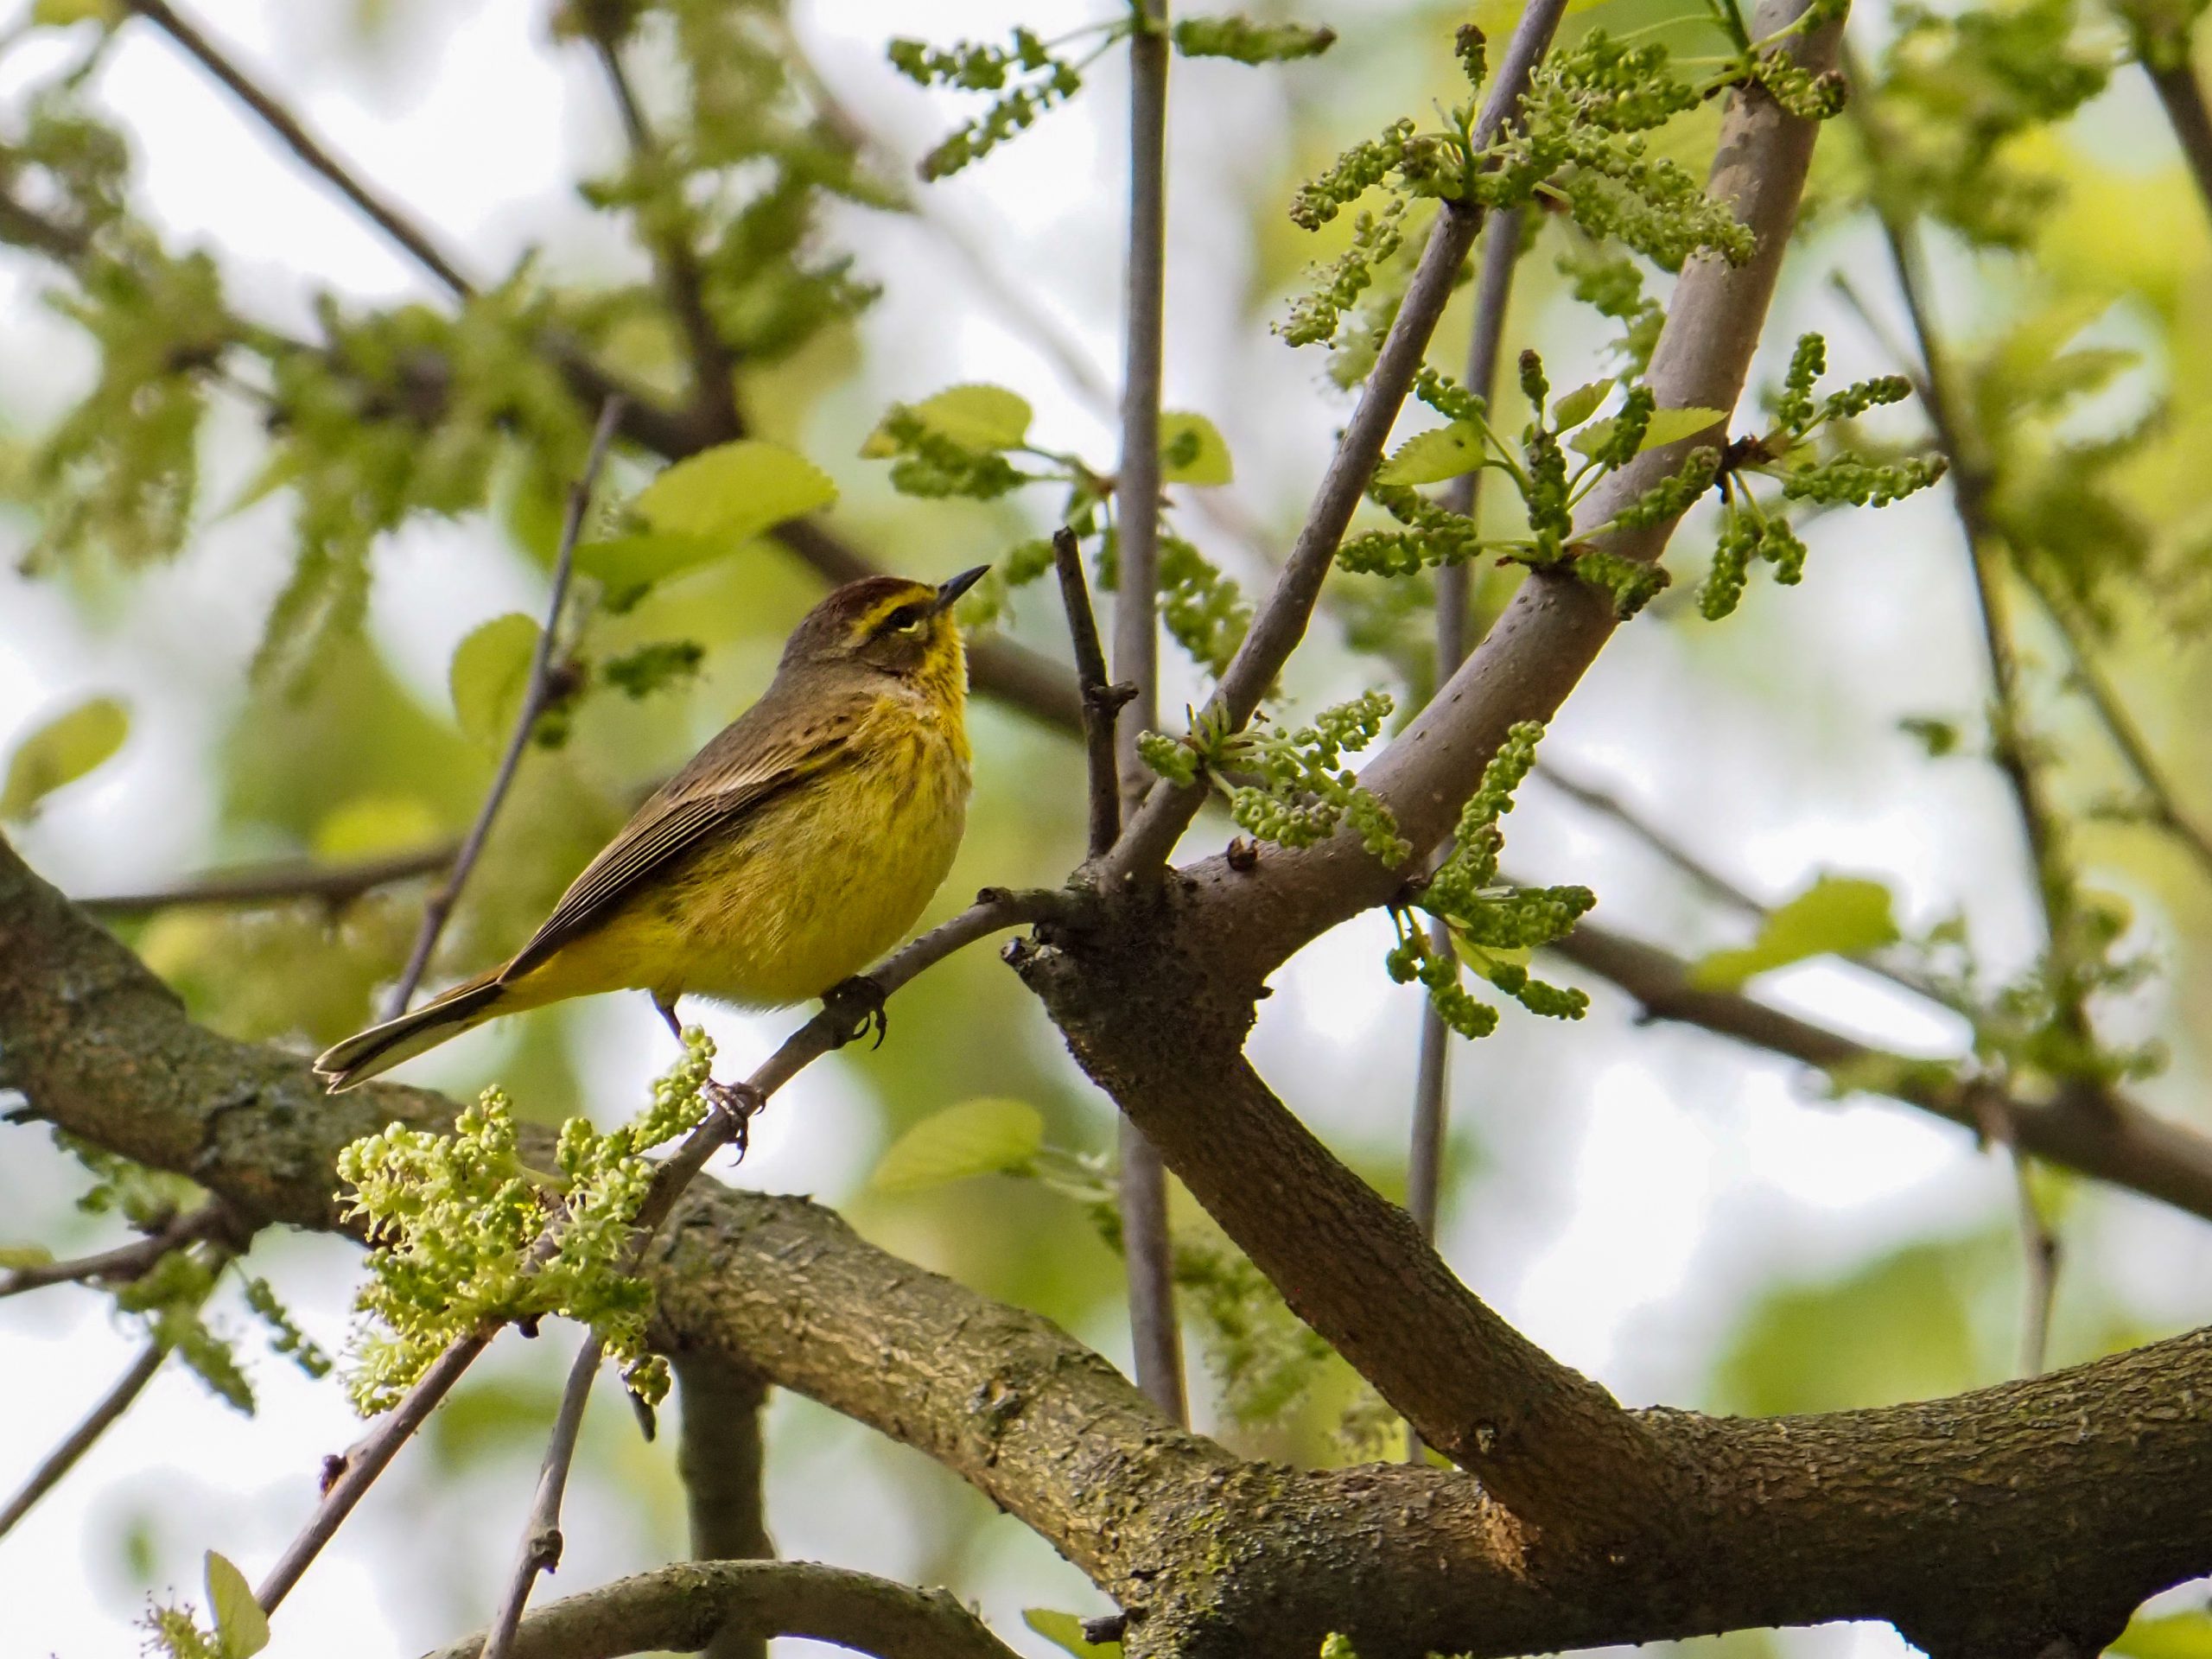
(666, 1008)
(857, 1006)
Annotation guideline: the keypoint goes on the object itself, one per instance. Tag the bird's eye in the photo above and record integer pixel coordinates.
(904, 619)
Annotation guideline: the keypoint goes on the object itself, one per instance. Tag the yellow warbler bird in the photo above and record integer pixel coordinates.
(794, 848)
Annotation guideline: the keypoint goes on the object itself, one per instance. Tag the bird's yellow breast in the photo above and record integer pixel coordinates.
(810, 888)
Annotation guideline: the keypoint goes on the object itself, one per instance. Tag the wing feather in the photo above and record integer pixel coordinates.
(728, 781)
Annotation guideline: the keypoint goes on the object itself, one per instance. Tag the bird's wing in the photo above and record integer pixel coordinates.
(725, 783)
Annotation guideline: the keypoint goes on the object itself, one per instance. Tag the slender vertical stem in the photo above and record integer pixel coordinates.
(84, 1436)
(1136, 651)
(719, 1456)
(541, 1538)
(2174, 77)
(1432, 1102)
(439, 905)
(1101, 701)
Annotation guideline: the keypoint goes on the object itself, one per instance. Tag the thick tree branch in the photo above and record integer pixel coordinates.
(1993, 1523)
(696, 1605)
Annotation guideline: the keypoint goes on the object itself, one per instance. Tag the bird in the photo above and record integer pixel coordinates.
(800, 843)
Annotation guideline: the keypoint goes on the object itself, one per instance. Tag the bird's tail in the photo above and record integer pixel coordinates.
(381, 1047)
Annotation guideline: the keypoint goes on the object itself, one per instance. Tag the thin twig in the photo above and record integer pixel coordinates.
(541, 1538)
(2039, 1246)
(1100, 701)
(2164, 810)
(1432, 1100)
(1282, 620)
(1146, 1251)
(279, 881)
(441, 903)
(86, 1435)
(366, 1460)
(713, 364)
(303, 144)
(1606, 804)
(126, 1261)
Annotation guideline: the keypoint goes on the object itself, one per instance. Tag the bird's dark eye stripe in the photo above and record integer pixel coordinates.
(905, 616)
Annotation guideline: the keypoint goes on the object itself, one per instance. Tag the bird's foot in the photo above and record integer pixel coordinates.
(737, 1101)
(857, 1004)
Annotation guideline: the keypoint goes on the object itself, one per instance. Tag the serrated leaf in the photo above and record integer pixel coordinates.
(24, 1256)
(984, 1136)
(1595, 436)
(60, 751)
(1433, 456)
(735, 491)
(1065, 1630)
(1572, 408)
(976, 416)
(627, 566)
(1838, 913)
(1194, 436)
(1670, 425)
(240, 1625)
(489, 676)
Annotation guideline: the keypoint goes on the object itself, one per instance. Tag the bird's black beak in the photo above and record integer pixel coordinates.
(948, 592)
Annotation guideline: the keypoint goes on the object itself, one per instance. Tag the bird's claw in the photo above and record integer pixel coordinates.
(738, 1101)
(857, 1005)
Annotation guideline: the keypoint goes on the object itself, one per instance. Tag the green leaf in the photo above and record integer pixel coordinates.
(1670, 425)
(1433, 456)
(24, 1256)
(1065, 1630)
(1839, 914)
(60, 751)
(1595, 436)
(490, 673)
(735, 491)
(239, 1622)
(58, 14)
(978, 417)
(626, 566)
(1191, 450)
(1572, 408)
(2177, 1635)
(977, 1137)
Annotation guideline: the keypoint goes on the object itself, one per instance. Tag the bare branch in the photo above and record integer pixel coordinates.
(541, 1538)
(2038, 1244)
(2174, 77)
(280, 881)
(1145, 1251)
(127, 1262)
(535, 695)
(2116, 1141)
(1100, 700)
(2164, 810)
(102, 1417)
(687, 1607)
(367, 1460)
(296, 138)
(713, 366)
(1282, 620)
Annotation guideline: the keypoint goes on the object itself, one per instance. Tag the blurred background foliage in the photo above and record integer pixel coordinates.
(263, 477)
